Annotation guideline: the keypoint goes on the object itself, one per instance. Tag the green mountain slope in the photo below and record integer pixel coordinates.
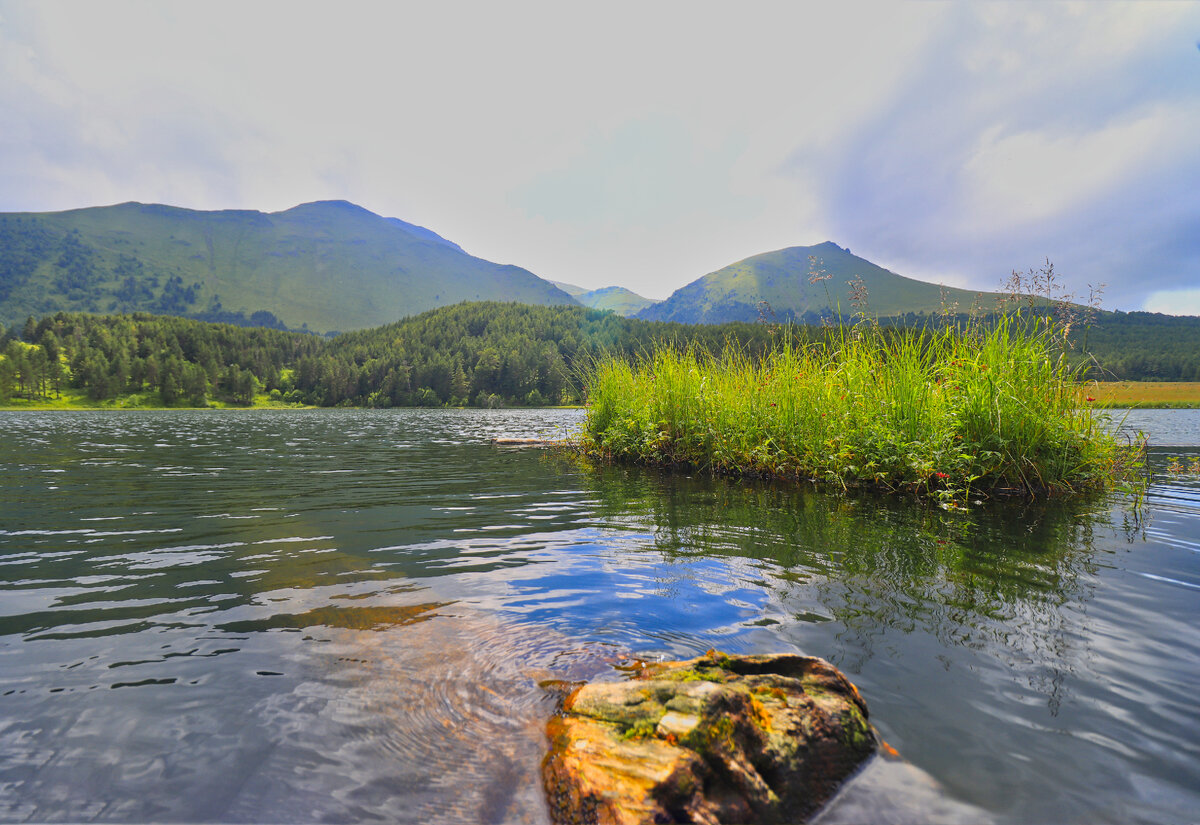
(782, 279)
(328, 265)
(616, 299)
(570, 289)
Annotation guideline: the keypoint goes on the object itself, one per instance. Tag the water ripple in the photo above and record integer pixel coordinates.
(346, 615)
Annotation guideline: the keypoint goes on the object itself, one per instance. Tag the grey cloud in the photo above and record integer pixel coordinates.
(898, 190)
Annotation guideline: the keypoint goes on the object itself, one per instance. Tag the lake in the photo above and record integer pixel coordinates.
(344, 616)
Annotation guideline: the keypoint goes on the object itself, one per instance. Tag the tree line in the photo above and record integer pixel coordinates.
(472, 354)
(185, 362)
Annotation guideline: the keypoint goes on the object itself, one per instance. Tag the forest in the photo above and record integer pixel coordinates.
(483, 354)
(479, 354)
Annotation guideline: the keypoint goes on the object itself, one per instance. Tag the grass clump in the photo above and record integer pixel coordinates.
(946, 413)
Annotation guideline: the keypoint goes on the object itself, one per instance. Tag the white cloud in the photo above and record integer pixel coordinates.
(1024, 136)
(637, 144)
(1174, 301)
(1012, 179)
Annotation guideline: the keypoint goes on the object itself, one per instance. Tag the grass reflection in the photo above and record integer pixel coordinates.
(378, 617)
(1006, 578)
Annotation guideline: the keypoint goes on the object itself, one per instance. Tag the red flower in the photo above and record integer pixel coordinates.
(941, 475)
(1089, 399)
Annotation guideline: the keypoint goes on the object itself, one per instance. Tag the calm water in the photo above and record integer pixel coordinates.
(337, 616)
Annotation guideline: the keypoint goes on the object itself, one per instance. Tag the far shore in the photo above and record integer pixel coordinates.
(1103, 395)
(1145, 394)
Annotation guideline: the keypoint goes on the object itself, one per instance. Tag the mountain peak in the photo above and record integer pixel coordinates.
(782, 280)
(330, 265)
(342, 206)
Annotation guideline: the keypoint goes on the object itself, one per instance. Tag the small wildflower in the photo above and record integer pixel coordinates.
(941, 475)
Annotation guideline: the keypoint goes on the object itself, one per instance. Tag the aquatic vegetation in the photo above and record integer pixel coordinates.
(1178, 465)
(949, 413)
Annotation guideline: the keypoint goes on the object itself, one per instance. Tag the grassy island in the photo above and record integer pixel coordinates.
(945, 413)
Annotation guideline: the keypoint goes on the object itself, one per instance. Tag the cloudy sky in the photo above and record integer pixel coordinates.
(643, 144)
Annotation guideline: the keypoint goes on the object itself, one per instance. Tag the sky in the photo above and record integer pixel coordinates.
(643, 144)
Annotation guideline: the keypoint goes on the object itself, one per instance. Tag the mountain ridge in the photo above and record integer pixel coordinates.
(321, 265)
(616, 299)
(799, 280)
(332, 265)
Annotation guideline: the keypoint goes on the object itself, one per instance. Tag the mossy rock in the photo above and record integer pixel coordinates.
(718, 739)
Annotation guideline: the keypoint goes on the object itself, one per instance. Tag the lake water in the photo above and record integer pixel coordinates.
(343, 616)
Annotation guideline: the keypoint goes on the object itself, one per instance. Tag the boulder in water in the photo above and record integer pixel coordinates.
(714, 739)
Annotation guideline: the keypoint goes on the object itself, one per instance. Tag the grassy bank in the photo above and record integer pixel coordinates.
(948, 414)
(1146, 394)
(76, 399)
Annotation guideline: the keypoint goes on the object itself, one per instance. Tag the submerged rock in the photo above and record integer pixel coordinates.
(714, 739)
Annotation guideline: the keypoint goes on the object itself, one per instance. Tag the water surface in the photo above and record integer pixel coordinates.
(335, 616)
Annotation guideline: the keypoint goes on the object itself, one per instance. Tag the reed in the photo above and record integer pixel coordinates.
(948, 413)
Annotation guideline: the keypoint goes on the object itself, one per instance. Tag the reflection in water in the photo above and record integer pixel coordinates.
(1001, 648)
(345, 616)
(1008, 577)
(350, 618)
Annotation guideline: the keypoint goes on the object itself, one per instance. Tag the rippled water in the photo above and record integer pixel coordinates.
(344, 616)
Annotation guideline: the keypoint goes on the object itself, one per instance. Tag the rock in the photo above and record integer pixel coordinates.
(714, 739)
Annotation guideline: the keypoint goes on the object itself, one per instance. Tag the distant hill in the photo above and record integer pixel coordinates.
(782, 279)
(616, 299)
(328, 265)
(570, 289)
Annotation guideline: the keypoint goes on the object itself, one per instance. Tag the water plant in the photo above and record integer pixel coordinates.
(949, 413)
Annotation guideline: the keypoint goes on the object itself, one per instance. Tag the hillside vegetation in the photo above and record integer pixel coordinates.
(947, 413)
(484, 354)
(322, 266)
(480, 353)
(616, 299)
(804, 283)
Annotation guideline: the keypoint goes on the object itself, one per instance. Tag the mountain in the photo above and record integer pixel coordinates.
(570, 289)
(328, 265)
(783, 279)
(616, 299)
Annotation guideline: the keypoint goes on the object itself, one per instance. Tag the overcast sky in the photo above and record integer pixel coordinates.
(643, 144)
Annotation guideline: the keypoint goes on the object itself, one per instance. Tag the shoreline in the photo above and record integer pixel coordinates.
(102, 407)
(1108, 395)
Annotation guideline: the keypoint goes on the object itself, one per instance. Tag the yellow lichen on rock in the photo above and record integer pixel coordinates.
(714, 739)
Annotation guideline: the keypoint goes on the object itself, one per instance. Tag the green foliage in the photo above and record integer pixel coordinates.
(326, 266)
(473, 354)
(483, 354)
(946, 413)
(785, 280)
(182, 361)
(1141, 346)
(614, 299)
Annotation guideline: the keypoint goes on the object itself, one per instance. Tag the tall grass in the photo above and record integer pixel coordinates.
(946, 412)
